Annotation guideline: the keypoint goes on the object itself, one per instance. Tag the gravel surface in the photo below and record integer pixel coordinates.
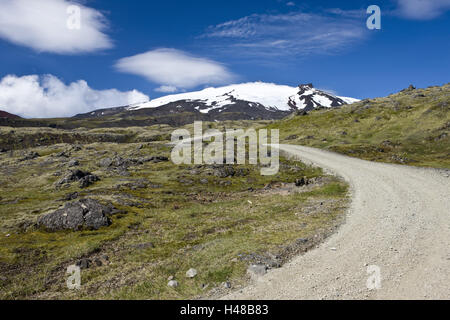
(399, 221)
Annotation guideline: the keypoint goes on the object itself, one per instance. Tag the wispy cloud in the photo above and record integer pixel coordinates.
(42, 25)
(295, 33)
(47, 96)
(422, 9)
(166, 89)
(175, 69)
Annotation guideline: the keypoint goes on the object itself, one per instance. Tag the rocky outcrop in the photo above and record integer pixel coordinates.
(85, 214)
(85, 179)
(30, 156)
(120, 165)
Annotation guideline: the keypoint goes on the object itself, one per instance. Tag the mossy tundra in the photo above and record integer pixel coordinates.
(172, 218)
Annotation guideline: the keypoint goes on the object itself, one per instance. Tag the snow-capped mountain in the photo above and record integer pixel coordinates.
(247, 101)
(309, 98)
(267, 95)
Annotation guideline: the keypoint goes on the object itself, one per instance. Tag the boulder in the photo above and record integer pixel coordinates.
(84, 264)
(30, 156)
(257, 270)
(192, 273)
(158, 159)
(84, 214)
(242, 172)
(71, 196)
(301, 182)
(85, 178)
(292, 137)
(88, 180)
(225, 172)
(107, 162)
(73, 163)
(62, 154)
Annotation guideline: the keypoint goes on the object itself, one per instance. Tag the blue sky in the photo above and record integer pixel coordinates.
(173, 46)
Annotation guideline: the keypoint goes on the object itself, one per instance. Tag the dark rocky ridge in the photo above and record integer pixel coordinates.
(192, 109)
(4, 114)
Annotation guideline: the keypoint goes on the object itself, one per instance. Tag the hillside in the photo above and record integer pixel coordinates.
(4, 114)
(410, 127)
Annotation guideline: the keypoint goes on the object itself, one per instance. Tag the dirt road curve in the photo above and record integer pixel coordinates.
(399, 221)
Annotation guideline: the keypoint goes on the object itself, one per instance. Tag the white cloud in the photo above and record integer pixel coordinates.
(422, 9)
(46, 96)
(175, 69)
(167, 89)
(43, 26)
(294, 33)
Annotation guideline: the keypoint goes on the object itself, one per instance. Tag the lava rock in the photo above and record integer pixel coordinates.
(71, 196)
(242, 172)
(30, 156)
(85, 178)
(84, 263)
(185, 181)
(98, 262)
(107, 162)
(301, 182)
(158, 159)
(79, 215)
(62, 154)
(410, 88)
(88, 180)
(301, 241)
(225, 172)
(73, 163)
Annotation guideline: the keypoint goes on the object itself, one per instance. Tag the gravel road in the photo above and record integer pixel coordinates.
(399, 222)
